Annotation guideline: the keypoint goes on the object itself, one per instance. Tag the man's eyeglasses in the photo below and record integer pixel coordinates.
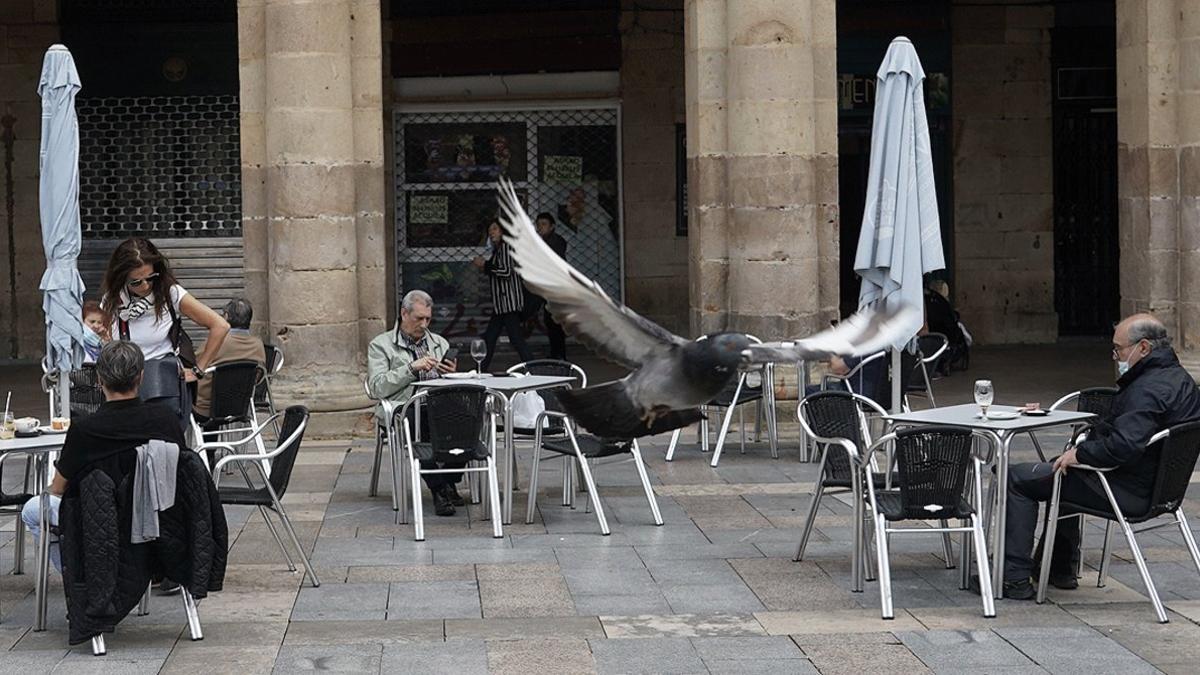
(137, 283)
(1118, 349)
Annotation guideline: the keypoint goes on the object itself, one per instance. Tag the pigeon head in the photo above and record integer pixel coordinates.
(717, 358)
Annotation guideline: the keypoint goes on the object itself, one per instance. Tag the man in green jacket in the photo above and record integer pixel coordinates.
(398, 358)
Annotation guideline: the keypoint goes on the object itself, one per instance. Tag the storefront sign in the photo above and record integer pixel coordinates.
(857, 92)
(562, 169)
(429, 209)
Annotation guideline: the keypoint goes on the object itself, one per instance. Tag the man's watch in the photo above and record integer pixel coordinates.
(198, 372)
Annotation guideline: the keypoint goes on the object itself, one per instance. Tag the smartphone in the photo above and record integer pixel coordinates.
(451, 355)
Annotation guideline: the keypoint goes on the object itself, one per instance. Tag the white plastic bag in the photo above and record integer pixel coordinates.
(526, 406)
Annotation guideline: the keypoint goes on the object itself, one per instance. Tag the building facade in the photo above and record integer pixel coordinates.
(704, 158)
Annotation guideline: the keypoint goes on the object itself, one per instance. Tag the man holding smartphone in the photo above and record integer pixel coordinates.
(407, 354)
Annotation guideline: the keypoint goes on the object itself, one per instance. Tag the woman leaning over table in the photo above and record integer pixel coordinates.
(142, 301)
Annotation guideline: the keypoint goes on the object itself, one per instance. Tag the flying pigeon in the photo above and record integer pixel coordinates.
(671, 377)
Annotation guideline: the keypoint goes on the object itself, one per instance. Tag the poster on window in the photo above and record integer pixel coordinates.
(464, 152)
(450, 217)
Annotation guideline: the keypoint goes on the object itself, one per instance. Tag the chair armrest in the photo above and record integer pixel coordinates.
(1089, 467)
(242, 441)
(1064, 400)
(537, 421)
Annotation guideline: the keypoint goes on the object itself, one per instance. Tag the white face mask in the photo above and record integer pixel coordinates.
(1122, 368)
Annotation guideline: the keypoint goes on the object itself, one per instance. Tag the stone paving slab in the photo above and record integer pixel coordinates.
(356, 658)
(682, 625)
(318, 633)
(460, 657)
(540, 657)
(220, 660)
(663, 655)
(586, 627)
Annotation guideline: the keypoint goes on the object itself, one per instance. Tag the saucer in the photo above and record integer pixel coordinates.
(28, 434)
(51, 430)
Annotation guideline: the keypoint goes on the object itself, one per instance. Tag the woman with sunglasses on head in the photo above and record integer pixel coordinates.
(143, 303)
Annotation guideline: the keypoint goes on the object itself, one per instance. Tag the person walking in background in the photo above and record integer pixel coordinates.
(146, 306)
(508, 298)
(534, 302)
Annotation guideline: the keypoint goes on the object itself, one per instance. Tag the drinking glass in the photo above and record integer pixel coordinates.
(8, 429)
(478, 352)
(984, 395)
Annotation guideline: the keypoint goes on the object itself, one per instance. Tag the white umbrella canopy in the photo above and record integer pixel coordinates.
(58, 201)
(901, 236)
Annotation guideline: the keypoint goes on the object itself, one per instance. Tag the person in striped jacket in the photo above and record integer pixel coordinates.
(508, 298)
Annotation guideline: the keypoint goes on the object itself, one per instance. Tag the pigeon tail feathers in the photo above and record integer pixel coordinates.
(606, 411)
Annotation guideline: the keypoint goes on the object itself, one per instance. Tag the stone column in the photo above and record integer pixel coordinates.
(312, 144)
(1158, 108)
(762, 165)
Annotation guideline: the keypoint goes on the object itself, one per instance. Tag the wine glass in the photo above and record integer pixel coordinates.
(478, 352)
(8, 426)
(984, 395)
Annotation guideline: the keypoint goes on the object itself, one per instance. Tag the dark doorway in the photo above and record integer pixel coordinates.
(1086, 246)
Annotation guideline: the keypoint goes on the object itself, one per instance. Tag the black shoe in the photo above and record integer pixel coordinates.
(1013, 590)
(168, 587)
(451, 493)
(441, 504)
(1067, 582)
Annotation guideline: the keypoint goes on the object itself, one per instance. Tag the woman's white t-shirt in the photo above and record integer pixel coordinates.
(151, 333)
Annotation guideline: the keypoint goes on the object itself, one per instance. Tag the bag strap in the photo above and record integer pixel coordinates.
(123, 329)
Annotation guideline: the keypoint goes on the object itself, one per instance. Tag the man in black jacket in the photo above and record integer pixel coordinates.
(1155, 393)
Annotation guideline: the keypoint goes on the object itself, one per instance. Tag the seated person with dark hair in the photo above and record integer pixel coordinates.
(239, 345)
(122, 423)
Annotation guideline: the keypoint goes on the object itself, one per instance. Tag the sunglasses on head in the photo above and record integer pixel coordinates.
(137, 283)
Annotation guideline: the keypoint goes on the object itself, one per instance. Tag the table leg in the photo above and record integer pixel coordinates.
(1001, 479)
(43, 560)
(509, 458)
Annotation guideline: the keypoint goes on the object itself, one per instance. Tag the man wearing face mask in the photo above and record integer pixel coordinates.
(1155, 393)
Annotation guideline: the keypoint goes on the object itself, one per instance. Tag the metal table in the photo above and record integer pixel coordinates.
(1002, 433)
(42, 448)
(507, 388)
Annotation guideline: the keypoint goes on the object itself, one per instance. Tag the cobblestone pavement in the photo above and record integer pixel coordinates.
(713, 590)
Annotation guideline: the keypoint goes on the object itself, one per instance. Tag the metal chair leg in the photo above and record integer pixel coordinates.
(278, 540)
(593, 497)
(193, 616)
(981, 562)
(811, 519)
(373, 490)
(1188, 538)
(728, 417)
(947, 548)
(567, 468)
(1047, 539)
(287, 527)
(98, 646)
(742, 429)
(645, 478)
(418, 509)
(1037, 445)
(19, 547)
(1082, 539)
(531, 499)
(1105, 555)
(1137, 553)
(674, 441)
(494, 496)
(885, 568)
(144, 604)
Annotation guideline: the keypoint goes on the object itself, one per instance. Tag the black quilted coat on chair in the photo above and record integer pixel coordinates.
(104, 575)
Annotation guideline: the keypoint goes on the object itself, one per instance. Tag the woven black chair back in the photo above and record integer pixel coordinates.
(1097, 400)
(835, 414)
(272, 355)
(458, 419)
(1177, 455)
(556, 368)
(932, 465)
(86, 395)
(232, 390)
(284, 462)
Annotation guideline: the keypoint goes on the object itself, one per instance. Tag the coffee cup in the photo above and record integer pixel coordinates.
(60, 423)
(27, 425)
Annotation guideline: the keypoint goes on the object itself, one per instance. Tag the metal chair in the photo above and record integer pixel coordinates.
(385, 437)
(461, 426)
(930, 348)
(932, 468)
(584, 449)
(233, 385)
(852, 380)
(262, 391)
(1178, 449)
(1095, 400)
(269, 495)
(554, 426)
(836, 422)
(737, 393)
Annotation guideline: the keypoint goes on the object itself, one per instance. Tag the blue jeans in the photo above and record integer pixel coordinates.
(30, 515)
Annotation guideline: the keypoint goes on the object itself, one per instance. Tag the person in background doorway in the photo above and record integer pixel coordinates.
(533, 302)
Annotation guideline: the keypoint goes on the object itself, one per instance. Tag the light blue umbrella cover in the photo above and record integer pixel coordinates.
(58, 202)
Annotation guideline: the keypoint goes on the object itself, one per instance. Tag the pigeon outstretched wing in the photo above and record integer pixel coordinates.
(866, 332)
(577, 302)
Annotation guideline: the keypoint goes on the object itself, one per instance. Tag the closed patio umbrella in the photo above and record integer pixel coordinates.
(901, 236)
(58, 202)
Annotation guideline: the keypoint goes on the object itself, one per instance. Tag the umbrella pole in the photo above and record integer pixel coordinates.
(897, 400)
